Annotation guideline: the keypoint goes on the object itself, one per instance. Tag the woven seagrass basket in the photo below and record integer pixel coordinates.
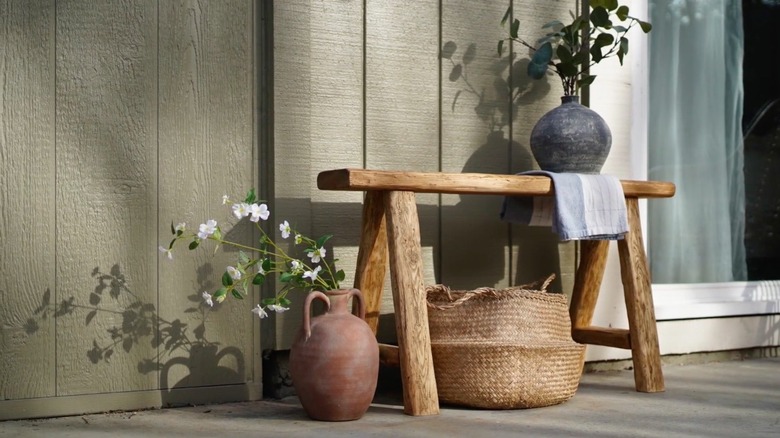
(503, 348)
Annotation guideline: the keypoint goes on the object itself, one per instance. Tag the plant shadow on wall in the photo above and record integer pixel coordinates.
(501, 92)
(131, 322)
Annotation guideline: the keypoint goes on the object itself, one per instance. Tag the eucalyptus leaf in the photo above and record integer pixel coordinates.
(622, 13)
(600, 17)
(604, 39)
(646, 27)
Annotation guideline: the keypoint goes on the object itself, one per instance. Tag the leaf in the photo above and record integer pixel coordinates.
(285, 302)
(567, 69)
(448, 50)
(586, 80)
(564, 54)
(555, 24)
(600, 17)
(173, 228)
(266, 265)
(237, 294)
(94, 299)
(243, 258)
(604, 40)
(127, 344)
(227, 280)
(595, 54)
(622, 13)
(170, 246)
(646, 27)
(251, 196)
(286, 277)
(471, 53)
(321, 241)
(455, 73)
(500, 48)
(194, 244)
(220, 293)
(258, 279)
(90, 316)
(340, 275)
(540, 61)
(623, 47)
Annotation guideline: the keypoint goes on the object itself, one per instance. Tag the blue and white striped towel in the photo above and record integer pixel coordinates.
(590, 207)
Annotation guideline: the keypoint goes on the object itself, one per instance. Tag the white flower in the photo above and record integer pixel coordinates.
(225, 199)
(258, 212)
(207, 229)
(234, 273)
(298, 239)
(312, 274)
(296, 265)
(317, 254)
(167, 252)
(278, 308)
(259, 312)
(240, 210)
(260, 269)
(207, 298)
(180, 226)
(285, 229)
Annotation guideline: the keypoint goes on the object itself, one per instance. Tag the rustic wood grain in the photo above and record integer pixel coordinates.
(587, 283)
(388, 355)
(27, 199)
(372, 256)
(648, 374)
(411, 316)
(206, 150)
(467, 183)
(610, 337)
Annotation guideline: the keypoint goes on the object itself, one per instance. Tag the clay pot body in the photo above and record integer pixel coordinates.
(571, 138)
(334, 359)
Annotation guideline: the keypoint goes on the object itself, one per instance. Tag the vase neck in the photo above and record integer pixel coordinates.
(338, 300)
(570, 99)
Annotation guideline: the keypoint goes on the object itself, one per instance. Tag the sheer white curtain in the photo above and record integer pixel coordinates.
(695, 141)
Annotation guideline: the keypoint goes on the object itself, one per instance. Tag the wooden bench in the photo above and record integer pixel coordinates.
(390, 227)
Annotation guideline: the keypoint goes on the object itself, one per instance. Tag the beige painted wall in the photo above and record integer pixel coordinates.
(116, 119)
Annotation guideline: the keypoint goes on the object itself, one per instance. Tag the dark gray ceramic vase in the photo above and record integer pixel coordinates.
(571, 138)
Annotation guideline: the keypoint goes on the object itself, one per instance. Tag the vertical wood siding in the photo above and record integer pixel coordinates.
(27, 216)
(117, 119)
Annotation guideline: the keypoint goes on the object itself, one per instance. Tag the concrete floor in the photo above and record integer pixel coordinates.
(726, 399)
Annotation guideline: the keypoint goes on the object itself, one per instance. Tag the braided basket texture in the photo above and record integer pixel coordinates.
(503, 349)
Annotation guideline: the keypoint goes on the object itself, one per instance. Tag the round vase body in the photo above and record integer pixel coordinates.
(334, 359)
(571, 138)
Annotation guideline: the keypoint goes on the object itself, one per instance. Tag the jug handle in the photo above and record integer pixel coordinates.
(307, 309)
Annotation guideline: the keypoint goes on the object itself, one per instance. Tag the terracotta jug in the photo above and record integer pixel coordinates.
(334, 359)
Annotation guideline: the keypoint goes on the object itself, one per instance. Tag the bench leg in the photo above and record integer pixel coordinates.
(635, 274)
(411, 313)
(372, 256)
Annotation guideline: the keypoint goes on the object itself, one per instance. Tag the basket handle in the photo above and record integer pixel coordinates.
(542, 283)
